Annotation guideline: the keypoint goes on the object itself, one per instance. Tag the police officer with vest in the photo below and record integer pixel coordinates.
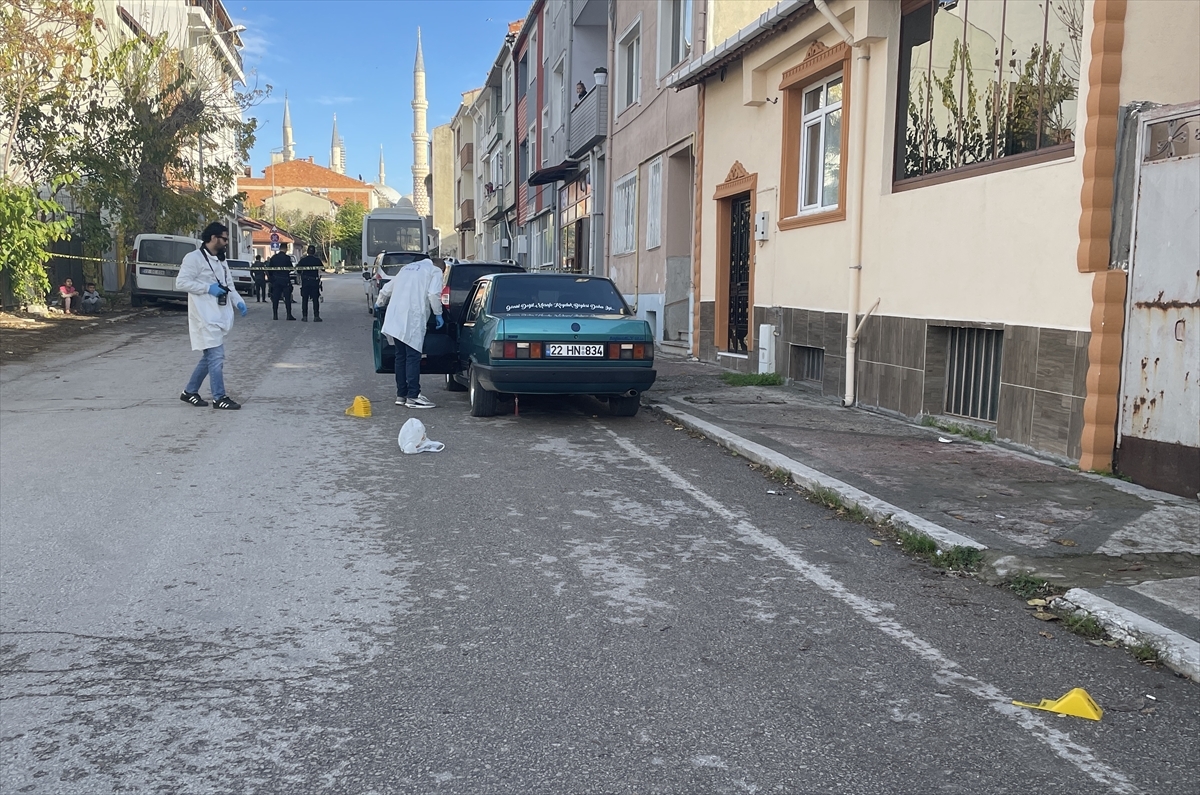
(309, 271)
(280, 280)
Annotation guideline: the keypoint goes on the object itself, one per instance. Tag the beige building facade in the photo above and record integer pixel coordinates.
(441, 197)
(943, 174)
(651, 159)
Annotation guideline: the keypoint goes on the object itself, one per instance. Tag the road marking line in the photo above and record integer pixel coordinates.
(946, 671)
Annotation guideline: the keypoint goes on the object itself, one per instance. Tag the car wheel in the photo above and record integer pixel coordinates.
(624, 406)
(452, 384)
(483, 402)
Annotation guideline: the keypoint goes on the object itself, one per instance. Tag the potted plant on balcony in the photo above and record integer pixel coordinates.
(600, 75)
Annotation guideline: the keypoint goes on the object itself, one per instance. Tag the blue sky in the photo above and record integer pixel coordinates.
(355, 58)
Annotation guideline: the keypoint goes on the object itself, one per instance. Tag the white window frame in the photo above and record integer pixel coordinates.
(817, 119)
(558, 92)
(624, 214)
(545, 147)
(532, 137)
(673, 52)
(630, 42)
(654, 203)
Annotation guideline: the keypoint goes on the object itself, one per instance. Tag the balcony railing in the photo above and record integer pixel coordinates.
(493, 201)
(221, 26)
(466, 157)
(589, 122)
(466, 214)
(494, 131)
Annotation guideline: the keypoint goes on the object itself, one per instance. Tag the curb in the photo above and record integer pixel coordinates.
(1177, 652)
(876, 509)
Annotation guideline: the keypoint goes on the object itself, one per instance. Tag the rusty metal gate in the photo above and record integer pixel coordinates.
(1158, 439)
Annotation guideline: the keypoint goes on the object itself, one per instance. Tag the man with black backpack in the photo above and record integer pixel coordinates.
(280, 279)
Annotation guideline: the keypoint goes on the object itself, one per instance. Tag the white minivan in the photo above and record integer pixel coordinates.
(156, 260)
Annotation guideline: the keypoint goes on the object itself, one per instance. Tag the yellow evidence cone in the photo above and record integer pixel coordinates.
(361, 407)
(1076, 702)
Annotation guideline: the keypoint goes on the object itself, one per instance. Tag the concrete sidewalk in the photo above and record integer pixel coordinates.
(1125, 554)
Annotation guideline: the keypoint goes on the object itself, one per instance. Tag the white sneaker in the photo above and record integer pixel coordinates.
(420, 402)
(401, 401)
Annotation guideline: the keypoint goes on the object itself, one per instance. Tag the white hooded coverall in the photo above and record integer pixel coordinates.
(208, 322)
(411, 296)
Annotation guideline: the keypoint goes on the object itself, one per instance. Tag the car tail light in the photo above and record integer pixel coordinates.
(446, 295)
(630, 350)
(516, 350)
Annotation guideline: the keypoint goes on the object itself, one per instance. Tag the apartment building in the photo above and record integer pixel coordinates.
(495, 195)
(462, 128)
(937, 208)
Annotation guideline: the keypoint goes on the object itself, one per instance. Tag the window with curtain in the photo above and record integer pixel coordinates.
(654, 204)
(624, 214)
(981, 80)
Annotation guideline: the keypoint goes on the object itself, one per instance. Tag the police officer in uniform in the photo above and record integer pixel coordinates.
(259, 275)
(280, 281)
(309, 271)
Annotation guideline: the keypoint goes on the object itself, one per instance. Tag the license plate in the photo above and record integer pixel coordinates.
(157, 272)
(572, 349)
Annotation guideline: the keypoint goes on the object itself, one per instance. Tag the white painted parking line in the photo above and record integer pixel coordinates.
(945, 670)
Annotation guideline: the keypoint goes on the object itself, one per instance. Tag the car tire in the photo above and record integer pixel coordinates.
(483, 402)
(452, 384)
(624, 406)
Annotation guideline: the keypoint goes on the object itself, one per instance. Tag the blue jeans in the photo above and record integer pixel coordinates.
(212, 362)
(408, 371)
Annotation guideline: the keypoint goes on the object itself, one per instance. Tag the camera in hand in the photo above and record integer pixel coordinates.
(223, 298)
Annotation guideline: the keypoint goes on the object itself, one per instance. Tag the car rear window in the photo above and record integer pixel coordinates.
(462, 278)
(166, 252)
(582, 295)
(392, 263)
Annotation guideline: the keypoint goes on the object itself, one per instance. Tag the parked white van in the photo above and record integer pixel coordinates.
(156, 260)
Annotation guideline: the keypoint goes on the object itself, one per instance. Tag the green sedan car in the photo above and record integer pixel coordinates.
(552, 334)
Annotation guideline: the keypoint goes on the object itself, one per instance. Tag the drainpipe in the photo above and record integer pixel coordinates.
(854, 212)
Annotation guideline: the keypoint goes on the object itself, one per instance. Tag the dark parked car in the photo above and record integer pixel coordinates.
(441, 351)
(552, 334)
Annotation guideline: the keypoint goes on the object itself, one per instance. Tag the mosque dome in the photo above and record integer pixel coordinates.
(388, 196)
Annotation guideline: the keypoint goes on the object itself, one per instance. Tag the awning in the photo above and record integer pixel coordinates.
(566, 170)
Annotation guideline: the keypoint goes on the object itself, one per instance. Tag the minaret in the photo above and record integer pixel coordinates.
(382, 180)
(420, 137)
(289, 146)
(337, 151)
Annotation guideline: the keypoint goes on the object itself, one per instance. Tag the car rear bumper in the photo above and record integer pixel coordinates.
(171, 294)
(562, 380)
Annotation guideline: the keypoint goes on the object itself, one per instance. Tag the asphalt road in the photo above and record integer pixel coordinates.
(277, 600)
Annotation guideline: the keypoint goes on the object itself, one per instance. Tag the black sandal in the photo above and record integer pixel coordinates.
(193, 398)
(227, 403)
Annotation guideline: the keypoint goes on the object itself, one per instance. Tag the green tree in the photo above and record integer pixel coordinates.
(28, 225)
(348, 230)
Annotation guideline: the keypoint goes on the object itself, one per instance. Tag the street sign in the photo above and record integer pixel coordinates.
(275, 246)
(275, 240)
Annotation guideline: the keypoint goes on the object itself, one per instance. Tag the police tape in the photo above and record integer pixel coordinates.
(76, 256)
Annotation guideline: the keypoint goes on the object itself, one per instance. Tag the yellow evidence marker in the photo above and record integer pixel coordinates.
(361, 407)
(1076, 702)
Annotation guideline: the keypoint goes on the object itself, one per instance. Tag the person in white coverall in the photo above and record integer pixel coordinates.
(205, 277)
(411, 296)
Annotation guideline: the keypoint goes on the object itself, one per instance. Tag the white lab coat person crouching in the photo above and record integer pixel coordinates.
(411, 296)
(204, 276)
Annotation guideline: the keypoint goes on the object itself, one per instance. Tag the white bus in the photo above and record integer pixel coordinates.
(397, 228)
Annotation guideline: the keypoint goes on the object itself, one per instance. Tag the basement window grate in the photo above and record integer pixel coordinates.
(973, 372)
(808, 363)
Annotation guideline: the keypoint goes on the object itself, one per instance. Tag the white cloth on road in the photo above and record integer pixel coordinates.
(413, 439)
(411, 296)
(208, 321)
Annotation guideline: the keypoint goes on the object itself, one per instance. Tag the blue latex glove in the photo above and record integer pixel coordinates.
(438, 322)
(242, 308)
(216, 290)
